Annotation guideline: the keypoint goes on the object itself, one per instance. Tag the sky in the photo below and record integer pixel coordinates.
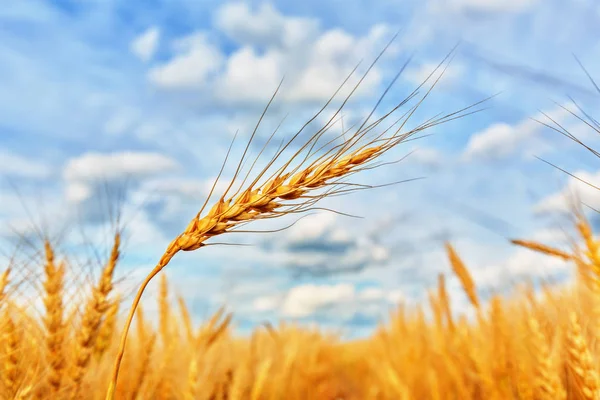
(132, 105)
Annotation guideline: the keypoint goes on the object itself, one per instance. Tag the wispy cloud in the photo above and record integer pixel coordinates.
(145, 45)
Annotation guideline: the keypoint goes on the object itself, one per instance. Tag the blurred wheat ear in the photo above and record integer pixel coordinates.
(315, 171)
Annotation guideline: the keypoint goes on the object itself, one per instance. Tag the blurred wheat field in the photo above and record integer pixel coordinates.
(524, 346)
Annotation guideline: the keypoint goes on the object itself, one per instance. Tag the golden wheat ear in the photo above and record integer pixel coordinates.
(289, 189)
(54, 320)
(542, 248)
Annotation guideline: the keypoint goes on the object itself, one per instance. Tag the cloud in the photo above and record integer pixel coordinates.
(264, 26)
(418, 74)
(305, 300)
(270, 46)
(95, 166)
(144, 46)
(90, 170)
(171, 201)
(486, 6)
(426, 156)
(521, 264)
(14, 165)
(249, 76)
(316, 245)
(574, 191)
(501, 140)
(196, 59)
(185, 187)
(333, 55)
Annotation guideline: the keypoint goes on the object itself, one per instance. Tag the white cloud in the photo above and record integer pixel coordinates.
(485, 6)
(272, 46)
(196, 58)
(302, 301)
(313, 73)
(521, 264)
(144, 46)
(574, 191)
(549, 235)
(501, 140)
(20, 166)
(333, 55)
(264, 26)
(311, 227)
(87, 170)
(426, 156)
(417, 75)
(94, 166)
(185, 187)
(319, 245)
(305, 300)
(249, 76)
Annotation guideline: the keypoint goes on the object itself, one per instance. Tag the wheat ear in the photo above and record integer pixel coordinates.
(580, 364)
(10, 363)
(4, 280)
(542, 248)
(95, 309)
(445, 301)
(107, 329)
(547, 385)
(290, 190)
(461, 271)
(54, 318)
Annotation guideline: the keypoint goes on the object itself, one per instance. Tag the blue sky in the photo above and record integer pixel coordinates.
(99, 96)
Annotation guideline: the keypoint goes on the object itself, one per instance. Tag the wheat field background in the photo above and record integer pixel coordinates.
(526, 346)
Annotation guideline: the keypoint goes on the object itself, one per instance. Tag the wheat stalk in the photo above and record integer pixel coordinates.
(289, 190)
(461, 271)
(145, 347)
